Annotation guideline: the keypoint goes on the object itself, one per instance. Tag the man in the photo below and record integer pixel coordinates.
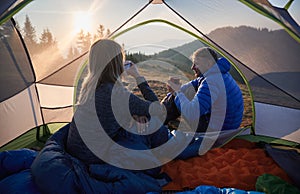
(213, 100)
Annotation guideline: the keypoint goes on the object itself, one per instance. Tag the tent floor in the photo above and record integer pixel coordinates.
(29, 139)
(269, 140)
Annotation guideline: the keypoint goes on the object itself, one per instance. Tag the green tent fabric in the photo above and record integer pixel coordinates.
(271, 184)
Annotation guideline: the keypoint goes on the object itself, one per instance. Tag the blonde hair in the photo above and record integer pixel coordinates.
(105, 65)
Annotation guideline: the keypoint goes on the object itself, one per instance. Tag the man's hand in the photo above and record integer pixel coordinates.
(173, 87)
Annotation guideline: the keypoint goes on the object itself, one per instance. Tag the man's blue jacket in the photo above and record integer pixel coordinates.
(217, 94)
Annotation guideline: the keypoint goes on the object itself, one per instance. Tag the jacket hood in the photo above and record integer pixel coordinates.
(222, 65)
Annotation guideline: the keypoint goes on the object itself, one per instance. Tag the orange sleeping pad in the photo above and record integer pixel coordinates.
(237, 165)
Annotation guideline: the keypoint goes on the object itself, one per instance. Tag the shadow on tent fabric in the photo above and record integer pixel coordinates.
(289, 160)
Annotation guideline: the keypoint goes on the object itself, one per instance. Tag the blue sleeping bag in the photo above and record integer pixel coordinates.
(15, 174)
(56, 171)
(206, 189)
(52, 170)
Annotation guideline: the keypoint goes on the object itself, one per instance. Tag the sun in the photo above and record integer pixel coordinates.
(82, 21)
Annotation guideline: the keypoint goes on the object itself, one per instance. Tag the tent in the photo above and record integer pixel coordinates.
(44, 47)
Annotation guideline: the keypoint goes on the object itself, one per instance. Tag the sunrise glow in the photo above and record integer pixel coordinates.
(82, 21)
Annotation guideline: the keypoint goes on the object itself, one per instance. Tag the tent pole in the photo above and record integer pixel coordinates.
(130, 18)
(287, 6)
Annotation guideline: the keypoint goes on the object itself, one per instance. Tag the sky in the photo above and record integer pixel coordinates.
(65, 18)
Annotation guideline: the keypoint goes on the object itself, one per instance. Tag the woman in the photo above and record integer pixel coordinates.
(114, 106)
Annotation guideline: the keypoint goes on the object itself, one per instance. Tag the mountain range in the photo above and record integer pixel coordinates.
(270, 54)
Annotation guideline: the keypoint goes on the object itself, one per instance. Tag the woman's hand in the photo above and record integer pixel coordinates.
(133, 70)
(141, 123)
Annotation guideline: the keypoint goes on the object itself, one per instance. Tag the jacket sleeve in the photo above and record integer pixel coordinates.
(199, 105)
(147, 92)
(139, 106)
(189, 89)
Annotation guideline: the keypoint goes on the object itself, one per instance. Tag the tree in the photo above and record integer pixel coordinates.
(88, 41)
(108, 32)
(47, 53)
(47, 40)
(72, 53)
(100, 31)
(83, 41)
(29, 34)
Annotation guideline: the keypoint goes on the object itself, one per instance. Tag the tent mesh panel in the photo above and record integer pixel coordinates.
(15, 69)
